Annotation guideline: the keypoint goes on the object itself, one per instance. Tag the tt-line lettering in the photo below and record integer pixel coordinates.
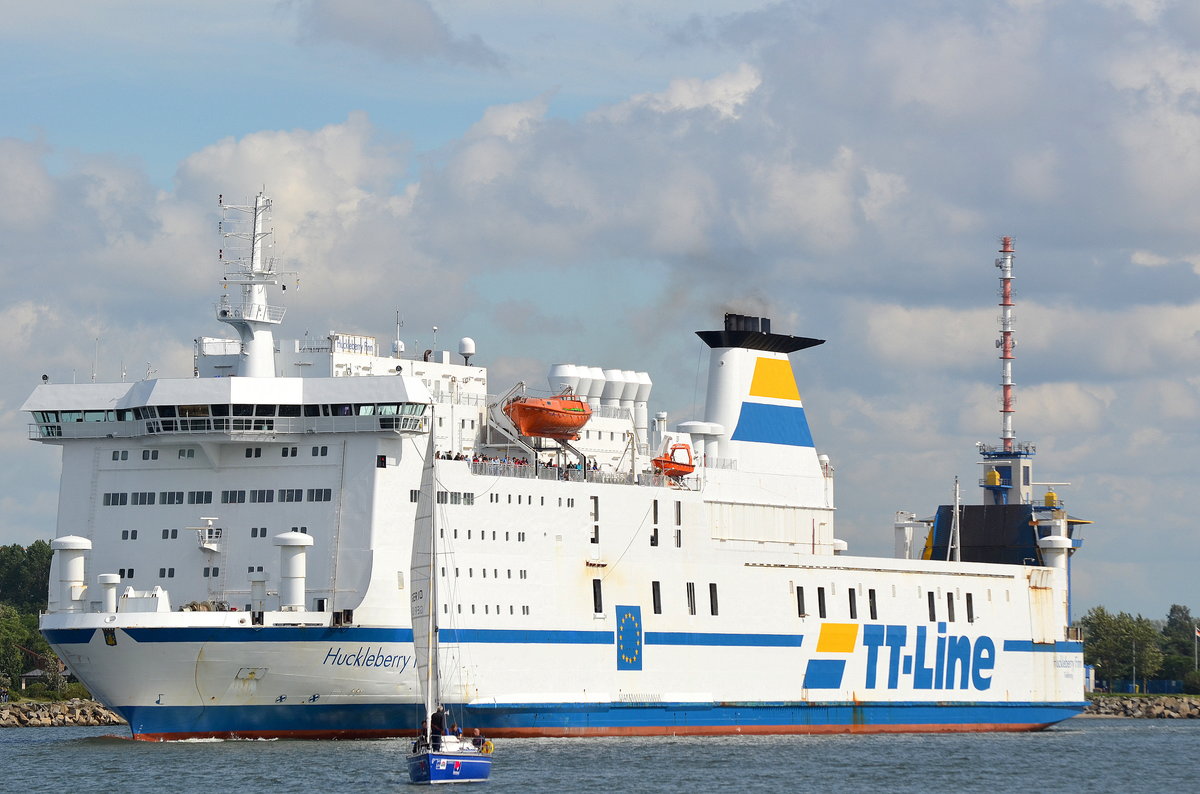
(958, 662)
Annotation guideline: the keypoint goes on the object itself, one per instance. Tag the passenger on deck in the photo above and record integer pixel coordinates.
(437, 723)
(477, 739)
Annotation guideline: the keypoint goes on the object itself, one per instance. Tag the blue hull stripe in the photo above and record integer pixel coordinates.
(1029, 646)
(513, 636)
(269, 634)
(701, 638)
(402, 720)
(380, 635)
(523, 636)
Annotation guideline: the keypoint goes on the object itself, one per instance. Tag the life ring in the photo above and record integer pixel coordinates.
(487, 747)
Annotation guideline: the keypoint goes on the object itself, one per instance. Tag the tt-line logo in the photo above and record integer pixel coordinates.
(898, 654)
(958, 662)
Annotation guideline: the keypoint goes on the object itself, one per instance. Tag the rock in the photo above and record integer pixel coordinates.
(67, 713)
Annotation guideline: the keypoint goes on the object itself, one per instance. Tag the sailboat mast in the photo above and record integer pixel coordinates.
(431, 679)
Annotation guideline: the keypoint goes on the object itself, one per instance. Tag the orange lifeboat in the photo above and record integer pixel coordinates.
(558, 417)
(672, 463)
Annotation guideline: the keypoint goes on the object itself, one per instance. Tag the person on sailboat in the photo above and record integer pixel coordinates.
(437, 724)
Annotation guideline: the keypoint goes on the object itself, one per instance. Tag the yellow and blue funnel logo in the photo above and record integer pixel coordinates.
(838, 640)
(771, 412)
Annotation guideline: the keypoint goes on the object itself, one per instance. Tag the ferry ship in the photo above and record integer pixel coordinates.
(233, 551)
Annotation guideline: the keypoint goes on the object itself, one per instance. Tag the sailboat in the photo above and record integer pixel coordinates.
(435, 758)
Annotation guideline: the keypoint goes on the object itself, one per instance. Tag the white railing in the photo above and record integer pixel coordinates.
(231, 425)
(492, 468)
(256, 312)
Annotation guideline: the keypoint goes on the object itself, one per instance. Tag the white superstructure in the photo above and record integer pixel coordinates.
(234, 550)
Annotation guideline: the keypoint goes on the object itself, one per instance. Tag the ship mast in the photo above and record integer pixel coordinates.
(1007, 477)
(248, 264)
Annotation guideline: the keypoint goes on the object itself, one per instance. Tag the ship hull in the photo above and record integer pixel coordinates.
(353, 683)
(369, 721)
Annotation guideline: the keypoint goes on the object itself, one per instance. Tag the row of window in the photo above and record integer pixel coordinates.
(262, 495)
(483, 534)
(149, 454)
(486, 609)
(873, 605)
(237, 409)
(445, 497)
(483, 572)
(656, 597)
(251, 452)
(318, 451)
(495, 498)
(173, 534)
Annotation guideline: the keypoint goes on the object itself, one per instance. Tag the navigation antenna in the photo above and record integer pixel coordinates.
(248, 263)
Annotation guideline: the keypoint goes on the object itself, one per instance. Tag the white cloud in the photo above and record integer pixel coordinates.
(954, 67)
(27, 193)
(725, 94)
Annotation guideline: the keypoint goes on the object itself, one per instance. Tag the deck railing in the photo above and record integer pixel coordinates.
(230, 425)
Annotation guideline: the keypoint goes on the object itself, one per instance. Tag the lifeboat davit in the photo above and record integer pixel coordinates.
(676, 462)
(558, 417)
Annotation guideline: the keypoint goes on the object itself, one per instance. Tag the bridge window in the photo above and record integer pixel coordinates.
(853, 604)
(691, 598)
(656, 597)
(821, 601)
(950, 607)
(872, 604)
(970, 609)
(932, 607)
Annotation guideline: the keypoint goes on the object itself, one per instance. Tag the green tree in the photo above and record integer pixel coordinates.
(12, 636)
(25, 575)
(1117, 644)
(1179, 631)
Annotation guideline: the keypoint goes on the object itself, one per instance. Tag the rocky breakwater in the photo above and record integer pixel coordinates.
(28, 714)
(1168, 707)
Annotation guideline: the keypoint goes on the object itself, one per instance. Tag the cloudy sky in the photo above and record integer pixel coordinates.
(592, 182)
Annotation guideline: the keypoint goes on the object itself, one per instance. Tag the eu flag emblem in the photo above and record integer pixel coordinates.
(629, 638)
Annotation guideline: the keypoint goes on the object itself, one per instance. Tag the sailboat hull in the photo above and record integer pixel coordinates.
(449, 767)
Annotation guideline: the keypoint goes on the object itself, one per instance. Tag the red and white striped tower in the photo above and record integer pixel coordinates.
(1005, 342)
(1008, 478)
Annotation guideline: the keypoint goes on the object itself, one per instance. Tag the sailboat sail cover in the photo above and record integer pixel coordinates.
(424, 584)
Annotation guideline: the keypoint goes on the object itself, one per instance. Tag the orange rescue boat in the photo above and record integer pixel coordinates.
(558, 417)
(672, 464)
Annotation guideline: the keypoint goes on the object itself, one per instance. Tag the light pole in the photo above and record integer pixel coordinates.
(1133, 644)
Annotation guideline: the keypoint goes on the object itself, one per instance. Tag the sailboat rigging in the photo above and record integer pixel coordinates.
(436, 758)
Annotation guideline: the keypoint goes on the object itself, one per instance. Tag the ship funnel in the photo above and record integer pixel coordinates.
(71, 580)
(564, 376)
(614, 387)
(597, 386)
(293, 547)
(753, 397)
(641, 407)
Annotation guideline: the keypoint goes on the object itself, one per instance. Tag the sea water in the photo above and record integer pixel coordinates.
(1083, 754)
